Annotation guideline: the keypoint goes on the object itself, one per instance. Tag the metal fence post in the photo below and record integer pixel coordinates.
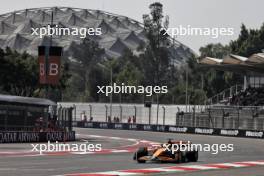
(121, 111)
(194, 117)
(223, 119)
(212, 122)
(177, 116)
(157, 109)
(74, 107)
(163, 115)
(149, 115)
(238, 118)
(90, 110)
(106, 109)
(66, 113)
(135, 112)
(62, 117)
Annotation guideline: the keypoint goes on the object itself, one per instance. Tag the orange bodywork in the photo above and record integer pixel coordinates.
(159, 154)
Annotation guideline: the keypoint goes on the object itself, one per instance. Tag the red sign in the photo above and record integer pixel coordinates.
(49, 65)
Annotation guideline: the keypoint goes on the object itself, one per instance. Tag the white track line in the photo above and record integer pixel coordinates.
(170, 169)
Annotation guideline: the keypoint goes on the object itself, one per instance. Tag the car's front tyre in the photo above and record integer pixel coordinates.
(142, 151)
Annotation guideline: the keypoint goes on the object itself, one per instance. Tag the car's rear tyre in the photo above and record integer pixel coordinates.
(183, 157)
(142, 151)
(193, 156)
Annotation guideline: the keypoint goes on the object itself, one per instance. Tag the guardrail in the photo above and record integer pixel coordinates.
(172, 129)
(225, 95)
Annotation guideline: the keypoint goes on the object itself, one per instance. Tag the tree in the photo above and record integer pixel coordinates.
(250, 41)
(19, 75)
(88, 54)
(130, 74)
(155, 58)
(214, 50)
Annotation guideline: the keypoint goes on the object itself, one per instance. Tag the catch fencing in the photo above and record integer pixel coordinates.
(221, 117)
(100, 112)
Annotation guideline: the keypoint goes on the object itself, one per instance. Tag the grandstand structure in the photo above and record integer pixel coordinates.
(118, 32)
(236, 63)
(252, 68)
(240, 106)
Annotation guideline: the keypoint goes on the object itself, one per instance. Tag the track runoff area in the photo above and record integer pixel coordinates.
(116, 156)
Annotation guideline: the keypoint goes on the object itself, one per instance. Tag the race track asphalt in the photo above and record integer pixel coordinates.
(46, 165)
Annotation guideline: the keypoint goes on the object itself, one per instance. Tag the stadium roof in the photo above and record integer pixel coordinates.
(236, 63)
(118, 32)
(211, 61)
(26, 100)
(256, 58)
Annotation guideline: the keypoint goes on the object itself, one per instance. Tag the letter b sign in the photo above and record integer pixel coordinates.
(49, 65)
(53, 69)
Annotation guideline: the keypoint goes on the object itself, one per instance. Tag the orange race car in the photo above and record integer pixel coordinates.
(168, 152)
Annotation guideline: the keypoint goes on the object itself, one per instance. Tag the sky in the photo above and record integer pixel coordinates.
(196, 13)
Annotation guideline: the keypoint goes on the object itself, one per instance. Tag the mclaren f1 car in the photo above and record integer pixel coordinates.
(169, 152)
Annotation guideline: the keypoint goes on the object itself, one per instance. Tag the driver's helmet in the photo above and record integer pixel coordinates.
(169, 141)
